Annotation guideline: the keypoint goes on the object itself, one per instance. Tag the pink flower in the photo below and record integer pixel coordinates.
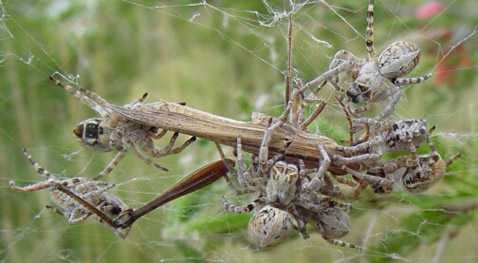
(429, 9)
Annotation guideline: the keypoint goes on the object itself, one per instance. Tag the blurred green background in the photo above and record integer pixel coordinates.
(225, 57)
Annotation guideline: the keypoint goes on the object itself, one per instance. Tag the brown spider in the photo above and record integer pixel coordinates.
(287, 197)
(112, 133)
(414, 174)
(375, 78)
(77, 198)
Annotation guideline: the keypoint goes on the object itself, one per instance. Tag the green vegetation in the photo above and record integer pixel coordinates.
(226, 63)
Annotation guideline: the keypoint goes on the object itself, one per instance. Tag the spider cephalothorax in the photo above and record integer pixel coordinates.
(92, 192)
(282, 184)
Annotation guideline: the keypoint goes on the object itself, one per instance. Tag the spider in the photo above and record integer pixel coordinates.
(414, 174)
(77, 198)
(112, 133)
(374, 78)
(282, 189)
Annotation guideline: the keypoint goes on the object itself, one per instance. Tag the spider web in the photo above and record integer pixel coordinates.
(234, 53)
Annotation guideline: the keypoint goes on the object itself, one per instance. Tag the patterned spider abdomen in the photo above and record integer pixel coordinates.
(269, 226)
(398, 59)
(407, 134)
(332, 223)
(429, 171)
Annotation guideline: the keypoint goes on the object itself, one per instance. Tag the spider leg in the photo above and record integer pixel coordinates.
(318, 178)
(396, 94)
(242, 174)
(348, 117)
(56, 209)
(369, 40)
(345, 181)
(32, 187)
(266, 139)
(384, 184)
(38, 168)
(302, 170)
(360, 147)
(78, 215)
(331, 190)
(411, 81)
(183, 146)
(138, 101)
(91, 99)
(340, 160)
(159, 135)
(233, 208)
(241, 165)
(147, 160)
(340, 243)
(394, 98)
(237, 181)
(101, 189)
(112, 164)
(327, 188)
(346, 65)
(168, 149)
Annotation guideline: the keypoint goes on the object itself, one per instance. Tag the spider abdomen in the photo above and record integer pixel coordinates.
(269, 226)
(332, 223)
(398, 59)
